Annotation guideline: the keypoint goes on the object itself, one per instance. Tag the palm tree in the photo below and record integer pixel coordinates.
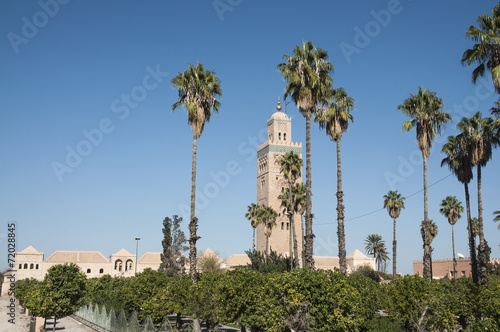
(375, 246)
(251, 215)
(308, 78)
(268, 216)
(497, 218)
(381, 258)
(481, 136)
(486, 52)
(451, 208)
(198, 92)
(426, 112)
(291, 168)
(394, 202)
(335, 119)
(372, 242)
(458, 161)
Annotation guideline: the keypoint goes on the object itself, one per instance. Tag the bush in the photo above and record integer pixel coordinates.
(366, 271)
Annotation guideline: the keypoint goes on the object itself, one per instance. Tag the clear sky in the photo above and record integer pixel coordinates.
(92, 156)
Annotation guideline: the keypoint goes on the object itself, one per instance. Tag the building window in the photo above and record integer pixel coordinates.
(101, 271)
(463, 273)
(31, 266)
(36, 267)
(287, 226)
(279, 136)
(128, 265)
(25, 266)
(284, 136)
(88, 270)
(282, 226)
(20, 266)
(118, 265)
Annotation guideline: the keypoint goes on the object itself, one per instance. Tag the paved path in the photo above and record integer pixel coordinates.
(21, 322)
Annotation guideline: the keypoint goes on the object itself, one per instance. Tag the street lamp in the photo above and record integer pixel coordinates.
(136, 250)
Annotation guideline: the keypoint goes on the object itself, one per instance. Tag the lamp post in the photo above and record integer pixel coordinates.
(136, 250)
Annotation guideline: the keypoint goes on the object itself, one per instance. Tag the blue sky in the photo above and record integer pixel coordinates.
(93, 156)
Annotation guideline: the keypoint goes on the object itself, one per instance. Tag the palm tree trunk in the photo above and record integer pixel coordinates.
(427, 245)
(483, 272)
(295, 245)
(453, 248)
(267, 246)
(472, 240)
(309, 234)
(340, 214)
(193, 220)
(394, 252)
(253, 240)
(193, 226)
(303, 245)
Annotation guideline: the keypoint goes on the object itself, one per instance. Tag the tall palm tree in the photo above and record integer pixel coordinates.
(482, 136)
(486, 52)
(253, 210)
(451, 208)
(198, 92)
(497, 218)
(394, 202)
(375, 246)
(426, 112)
(335, 119)
(268, 216)
(291, 168)
(458, 161)
(307, 74)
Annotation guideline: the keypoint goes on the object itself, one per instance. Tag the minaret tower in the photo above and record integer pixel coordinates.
(270, 183)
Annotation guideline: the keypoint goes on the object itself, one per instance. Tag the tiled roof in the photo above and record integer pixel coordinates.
(77, 257)
(30, 251)
(237, 260)
(122, 252)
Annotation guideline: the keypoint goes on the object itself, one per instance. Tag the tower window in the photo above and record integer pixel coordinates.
(88, 270)
(284, 136)
(101, 270)
(287, 225)
(282, 224)
(36, 267)
(279, 136)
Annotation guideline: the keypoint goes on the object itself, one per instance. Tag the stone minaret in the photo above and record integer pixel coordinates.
(270, 182)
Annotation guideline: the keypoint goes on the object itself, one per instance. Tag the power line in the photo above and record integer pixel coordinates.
(375, 211)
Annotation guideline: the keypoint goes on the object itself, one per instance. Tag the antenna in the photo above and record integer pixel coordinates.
(460, 255)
